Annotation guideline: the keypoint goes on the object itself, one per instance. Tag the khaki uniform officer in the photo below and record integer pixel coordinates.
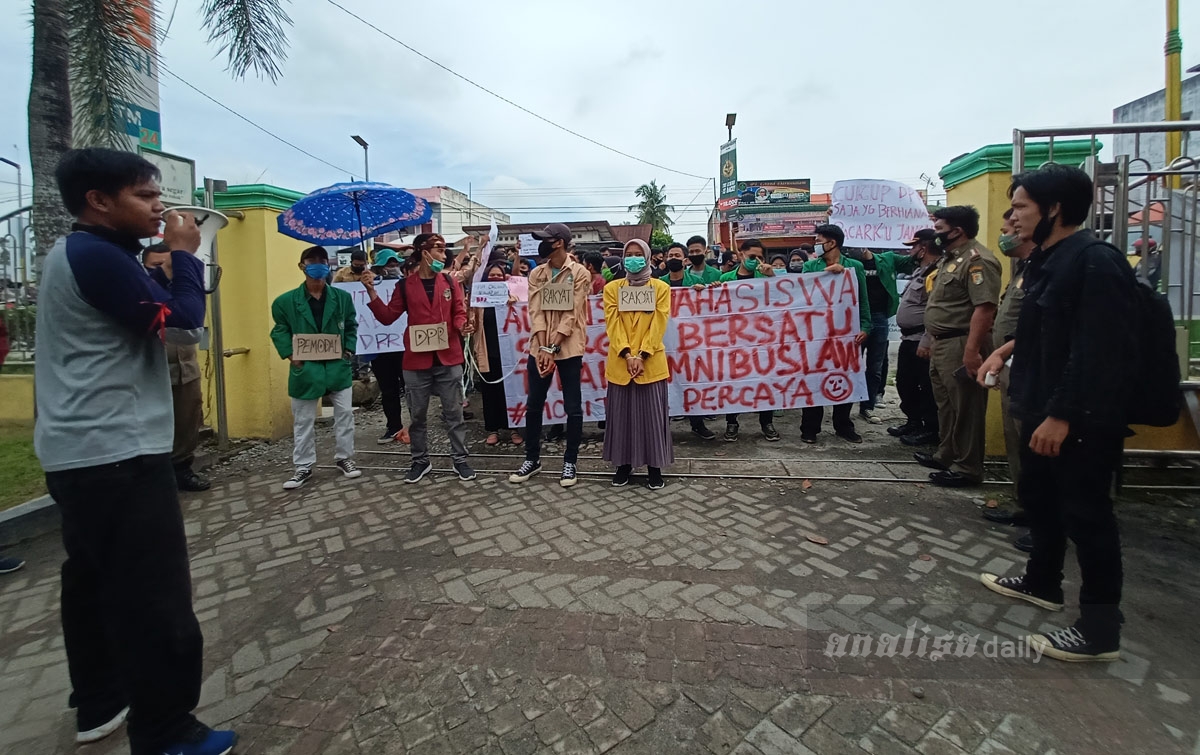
(958, 316)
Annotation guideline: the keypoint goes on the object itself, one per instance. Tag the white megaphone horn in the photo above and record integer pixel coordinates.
(209, 221)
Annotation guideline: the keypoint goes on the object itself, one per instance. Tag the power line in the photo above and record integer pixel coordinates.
(263, 129)
(693, 202)
(502, 98)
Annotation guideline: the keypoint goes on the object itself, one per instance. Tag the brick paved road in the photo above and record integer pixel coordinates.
(449, 617)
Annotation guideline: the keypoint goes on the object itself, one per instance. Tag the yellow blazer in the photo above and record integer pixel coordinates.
(638, 332)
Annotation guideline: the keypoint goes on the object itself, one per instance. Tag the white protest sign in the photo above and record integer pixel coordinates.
(529, 245)
(489, 294)
(373, 336)
(878, 214)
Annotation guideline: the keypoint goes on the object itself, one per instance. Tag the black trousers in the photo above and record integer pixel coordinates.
(131, 636)
(568, 372)
(389, 373)
(1069, 497)
(811, 418)
(495, 401)
(916, 392)
(765, 418)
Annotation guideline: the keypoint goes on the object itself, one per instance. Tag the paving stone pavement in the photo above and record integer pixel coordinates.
(371, 616)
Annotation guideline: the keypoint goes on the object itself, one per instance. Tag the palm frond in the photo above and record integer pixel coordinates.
(104, 57)
(251, 33)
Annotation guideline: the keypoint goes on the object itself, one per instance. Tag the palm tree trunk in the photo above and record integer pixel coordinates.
(49, 122)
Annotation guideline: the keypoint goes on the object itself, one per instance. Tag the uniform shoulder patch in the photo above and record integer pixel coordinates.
(977, 276)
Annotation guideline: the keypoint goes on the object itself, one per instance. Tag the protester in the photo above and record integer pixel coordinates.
(1149, 264)
(433, 358)
(186, 400)
(487, 359)
(1071, 384)
(594, 262)
(658, 259)
(959, 316)
(638, 432)
(614, 269)
(912, 367)
(796, 261)
(358, 264)
(388, 366)
(750, 265)
(1005, 329)
(679, 276)
(317, 308)
(880, 269)
(660, 269)
(557, 342)
(829, 258)
(388, 265)
(523, 267)
(104, 435)
(729, 261)
(697, 254)
(780, 263)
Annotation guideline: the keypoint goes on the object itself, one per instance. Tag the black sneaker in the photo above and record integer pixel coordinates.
(702, 432)
(654, 480)
(525, 471)
(298, 479)
(1024, 543)
(621, 478)
(349, 469)
(770, 433)
(1073, 646)
(568, 478)
(89, 730)
(731, 433)
(188, 481)
(922, 438)
(850, 436)
(10, 564)
(419, 470)
(1014, 587)
(389, 436)
(464, 471)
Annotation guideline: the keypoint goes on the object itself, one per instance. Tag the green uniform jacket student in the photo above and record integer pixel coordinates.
(887, 264)
(292, 315)
(864, 308)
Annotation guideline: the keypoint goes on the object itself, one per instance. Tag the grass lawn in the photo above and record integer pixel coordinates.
(20, 474)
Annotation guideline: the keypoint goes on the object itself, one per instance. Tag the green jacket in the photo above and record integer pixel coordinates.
(711, 274)
(817, 265)
(292, 315)
(732, 274)
(887, 264)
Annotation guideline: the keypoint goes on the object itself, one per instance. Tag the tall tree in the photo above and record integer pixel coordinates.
(653, 207)
(90, 42)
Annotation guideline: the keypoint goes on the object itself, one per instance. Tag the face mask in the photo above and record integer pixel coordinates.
(357, 270)
(606, 274)
(795, 267)
(943, 239)
(437, 265)
(674, 265)
(391, 273)
(635, 265)
(1008, 243)
(820, 250)
(1042, 230)
(545, 249)
(751, 263)
(317, 270)
(696, 259)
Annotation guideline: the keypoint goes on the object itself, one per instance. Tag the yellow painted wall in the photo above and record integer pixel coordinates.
(16, 399)
(258, 264)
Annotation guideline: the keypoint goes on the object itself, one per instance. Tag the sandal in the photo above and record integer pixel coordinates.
(492, 439)
(517, 439)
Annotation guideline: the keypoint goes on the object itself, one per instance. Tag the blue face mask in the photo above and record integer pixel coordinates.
(635, 264)
(317, 270)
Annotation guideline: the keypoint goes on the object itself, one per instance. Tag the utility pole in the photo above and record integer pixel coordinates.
(1174, 88)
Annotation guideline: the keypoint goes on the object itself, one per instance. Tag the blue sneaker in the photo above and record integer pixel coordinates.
(202, 740)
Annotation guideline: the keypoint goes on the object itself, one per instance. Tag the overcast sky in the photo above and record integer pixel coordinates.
(853, 89)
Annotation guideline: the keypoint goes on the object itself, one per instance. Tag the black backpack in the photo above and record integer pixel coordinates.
(1158, 399)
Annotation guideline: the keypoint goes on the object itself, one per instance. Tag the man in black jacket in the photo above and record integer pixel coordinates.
(1071, 367)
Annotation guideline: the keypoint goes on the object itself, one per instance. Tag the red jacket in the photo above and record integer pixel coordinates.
(448, 306)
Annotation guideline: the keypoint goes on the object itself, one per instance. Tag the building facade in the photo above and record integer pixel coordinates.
(1152, 108)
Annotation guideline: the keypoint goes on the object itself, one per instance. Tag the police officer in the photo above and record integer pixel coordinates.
(958, 316)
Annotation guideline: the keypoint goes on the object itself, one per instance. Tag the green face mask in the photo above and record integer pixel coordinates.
(606, 274)
(1008, 243)
(436, 265)
(751, 263)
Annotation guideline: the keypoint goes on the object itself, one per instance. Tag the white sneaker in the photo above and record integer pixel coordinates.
(871, 417)
(103, 730)
(298, 479)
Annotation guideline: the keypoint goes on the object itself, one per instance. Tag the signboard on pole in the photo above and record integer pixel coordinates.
(729, 169)
(178, 182)
(877, 213)
(773, 193)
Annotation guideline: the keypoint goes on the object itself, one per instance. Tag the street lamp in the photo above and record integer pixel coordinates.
(730, 119)
(366, 159)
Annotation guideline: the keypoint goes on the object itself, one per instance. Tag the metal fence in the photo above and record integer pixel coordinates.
(18, 287)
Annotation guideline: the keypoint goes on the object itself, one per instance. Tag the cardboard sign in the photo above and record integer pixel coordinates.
(373, 336)
(315, 347)
(878, 214)
(638, 299)
(558, 296)
(489, 294)
(428, 337)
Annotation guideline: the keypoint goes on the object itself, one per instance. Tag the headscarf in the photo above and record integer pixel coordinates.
(616, 266)
(643, 277)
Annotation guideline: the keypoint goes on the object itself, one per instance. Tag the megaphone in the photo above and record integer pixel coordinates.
(209, 221)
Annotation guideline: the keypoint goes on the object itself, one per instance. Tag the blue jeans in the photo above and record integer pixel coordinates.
(876, 349)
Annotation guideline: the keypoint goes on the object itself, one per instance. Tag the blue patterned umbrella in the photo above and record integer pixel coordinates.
(349, 213)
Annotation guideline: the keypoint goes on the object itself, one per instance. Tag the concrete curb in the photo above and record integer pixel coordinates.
(29, 520)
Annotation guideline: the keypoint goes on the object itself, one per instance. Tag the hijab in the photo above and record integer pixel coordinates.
(643, 277)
